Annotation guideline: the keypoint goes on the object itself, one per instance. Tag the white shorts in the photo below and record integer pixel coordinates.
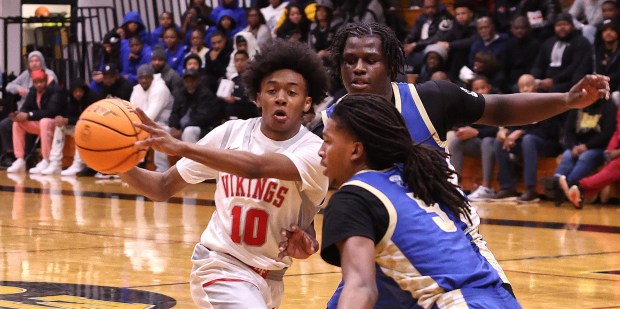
(218, 280)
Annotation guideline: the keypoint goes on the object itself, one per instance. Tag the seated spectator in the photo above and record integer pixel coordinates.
(487, 65)
(541, 15)
(198, 46)
(238, 105)
(488, 40)
(114, 85)
(258, 26)
(560, 56)
(36, 116)
(475, 141)
(193, 62)
(589, 187)
(81, 96)
(272, 13)
(296, 25)
(139, 55)
(459, 38)
(424, 32)
(236, 12)
(587, 15)
(110, 53)
(166, 20)
(193, 20)
(196, 110)
(435, 58)
(133, 26)
(175, 50)
(18, 90)
(609, 10)
(605, 56)
(153, 97)
(587, 133)
(243, 41)
(225, 25)
(160, 66)
(218, 58)
(323, 29)
(520, 50)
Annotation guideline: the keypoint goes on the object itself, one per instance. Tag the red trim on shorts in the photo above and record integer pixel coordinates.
(222, 279)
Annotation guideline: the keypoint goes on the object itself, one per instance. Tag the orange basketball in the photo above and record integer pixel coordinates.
(105, 136)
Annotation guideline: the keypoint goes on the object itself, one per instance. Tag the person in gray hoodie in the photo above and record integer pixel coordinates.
(20, 87)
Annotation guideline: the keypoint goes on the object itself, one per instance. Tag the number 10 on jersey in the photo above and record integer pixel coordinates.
(249, 228)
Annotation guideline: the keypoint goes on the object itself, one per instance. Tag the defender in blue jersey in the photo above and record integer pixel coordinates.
(396, 216)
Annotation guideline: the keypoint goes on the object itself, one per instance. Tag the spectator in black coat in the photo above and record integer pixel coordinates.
(521, 48)
(114, 85)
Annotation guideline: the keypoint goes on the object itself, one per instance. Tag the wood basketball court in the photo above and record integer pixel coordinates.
(62, 236)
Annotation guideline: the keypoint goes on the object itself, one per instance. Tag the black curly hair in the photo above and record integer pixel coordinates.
(295, 56)
(391, 47)
(378, 125)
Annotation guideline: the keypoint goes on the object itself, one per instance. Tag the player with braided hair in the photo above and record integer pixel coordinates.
(396, 215)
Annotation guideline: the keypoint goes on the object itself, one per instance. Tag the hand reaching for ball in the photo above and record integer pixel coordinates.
(160, 140)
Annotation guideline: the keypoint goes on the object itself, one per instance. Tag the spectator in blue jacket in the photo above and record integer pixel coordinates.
(140, 54)
(237, 13)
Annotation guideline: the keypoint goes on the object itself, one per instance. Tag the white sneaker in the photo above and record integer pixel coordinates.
(73, 169)
(19, 166)
(481, 194)
(39, 167)
(53, 168)
(100, 175)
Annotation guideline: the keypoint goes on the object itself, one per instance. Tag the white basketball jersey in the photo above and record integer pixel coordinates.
(251, 212)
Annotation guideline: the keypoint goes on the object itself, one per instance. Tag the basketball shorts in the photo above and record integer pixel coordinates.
(219, 280)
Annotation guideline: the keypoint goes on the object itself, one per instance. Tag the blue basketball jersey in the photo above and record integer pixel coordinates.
(424, 259)
(410, 105)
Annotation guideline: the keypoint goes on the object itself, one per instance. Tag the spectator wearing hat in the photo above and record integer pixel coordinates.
(521, 48)
(152, 96)
(425, 32)
(36, 116)
(196, 110)
(139, 55)
(244, 41)
(605, 56)
(560, 56)
(160, 66)
(459, 38)
(81, 96)
(435, 59)
(324, 28)
(113, 84)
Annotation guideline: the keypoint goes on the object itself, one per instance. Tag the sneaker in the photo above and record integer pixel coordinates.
(481, 194)
(553, 191)
(19, 166)
(7, 159)
(506, 195)
(529, 196)
(87, 171)
(575, 197)
(72, 170)
(106, 176)
(605, 194)
(43, 164)
(54, 168)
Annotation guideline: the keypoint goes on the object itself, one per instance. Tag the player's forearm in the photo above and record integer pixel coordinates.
(522, 108)
(153, 185)
(242, 163)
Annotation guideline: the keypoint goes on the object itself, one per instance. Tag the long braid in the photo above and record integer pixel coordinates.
(392, 48)
(380, 127)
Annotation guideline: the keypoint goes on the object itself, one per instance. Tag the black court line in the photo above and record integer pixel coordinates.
(560, 275)
(210, 202)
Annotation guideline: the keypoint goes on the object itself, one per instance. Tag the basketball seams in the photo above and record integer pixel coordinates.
(112, 169)
(107, 126)
(122, 108)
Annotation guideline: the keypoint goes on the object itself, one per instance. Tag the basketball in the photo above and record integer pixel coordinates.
(105, 136)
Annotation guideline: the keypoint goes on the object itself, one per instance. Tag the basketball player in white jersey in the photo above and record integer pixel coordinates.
(269, 178)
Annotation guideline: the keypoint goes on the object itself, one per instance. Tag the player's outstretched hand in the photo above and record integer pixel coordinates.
(588, 90)
(298, 244)
(160, 140)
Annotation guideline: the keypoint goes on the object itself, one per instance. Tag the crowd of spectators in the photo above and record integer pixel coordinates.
(185, 75)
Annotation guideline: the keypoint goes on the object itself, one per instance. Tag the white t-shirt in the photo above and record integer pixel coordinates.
(251, 212)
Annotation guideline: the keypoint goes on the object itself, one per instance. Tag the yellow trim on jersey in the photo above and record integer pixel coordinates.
(427, 120)
(397, 102)
(388, 206)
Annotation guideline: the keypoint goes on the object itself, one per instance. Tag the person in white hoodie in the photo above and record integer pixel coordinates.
(273, 12)
(243, 41)
(153, 96)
